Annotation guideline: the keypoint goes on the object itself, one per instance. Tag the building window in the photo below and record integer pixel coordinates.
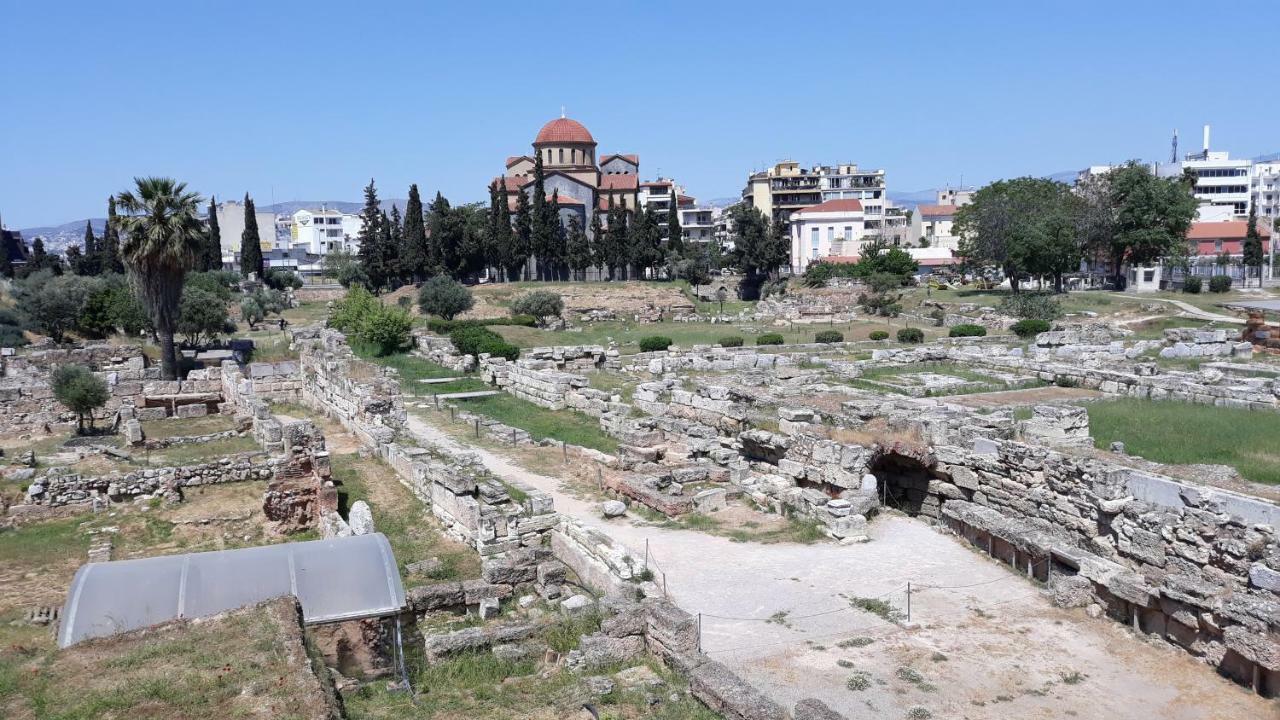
(813, 243)
(831, 233)
(561, 156)
(1217, 245)
(848, 232)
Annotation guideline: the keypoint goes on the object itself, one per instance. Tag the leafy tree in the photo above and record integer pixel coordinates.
(75, 259)
(112, 307)
(597, 239)
(443, 233)
(280, 278)
(416, 249)
(615, 241)
(162, 234)
(80, 390)
(42, 260)
(644, 242)
(1251, 253)
(541, 304)
(371, 252)
(498, 230)
(522, 248)
(250, 242)
(111, 259)
(675, 235)
(218, 283)
(445, 297)
(880, 257)
(695, 269)
(1151, 215)
(53, 304)
(577, 249)
(252, 312)
(1023, 226)
(346, 269)
(202, 316)
(350, 312)
(882, 296)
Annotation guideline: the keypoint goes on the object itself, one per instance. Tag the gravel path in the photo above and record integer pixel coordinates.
(986, 642)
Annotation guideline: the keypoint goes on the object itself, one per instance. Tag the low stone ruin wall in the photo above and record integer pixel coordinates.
(98, 357)
(440, 350)
(60, 487)
(358, 395)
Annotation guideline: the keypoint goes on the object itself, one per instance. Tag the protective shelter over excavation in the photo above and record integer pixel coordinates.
(338, 579)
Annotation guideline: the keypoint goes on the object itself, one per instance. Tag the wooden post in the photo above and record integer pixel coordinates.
(564, 448)
(477, 427)
(908, 601)
(700, 635)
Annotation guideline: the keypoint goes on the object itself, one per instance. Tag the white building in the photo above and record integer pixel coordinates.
(1265, 191)
(1223, 185)
(322, 231)
(231, 226)
(787, 188)
(835, 228)
(698, 223)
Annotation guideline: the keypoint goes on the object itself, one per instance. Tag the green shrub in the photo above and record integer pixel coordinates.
(251, 312)
(444, 296)
(541, 304)
(910, 335)
(386, 329)
(938, 317)
(967, 330)
(477, 340)
(818, 274)
(1032, 305)
(1219, 283)
(654, 343)
(1192, 284)
(1065, 381)
(829, 336)
(770, 339)
(222, 283)
(350, 312)
(202, 316)
(1029, 328)
(879, 335)
(730, 341)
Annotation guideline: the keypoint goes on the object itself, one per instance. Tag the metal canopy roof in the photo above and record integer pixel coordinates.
(337, 579)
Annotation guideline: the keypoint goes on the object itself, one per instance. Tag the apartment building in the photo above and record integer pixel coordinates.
(231, 226)
(932, 225)
(787, 187)
(832, 229)
(322, 231)
(1264, 191)
(699, 223)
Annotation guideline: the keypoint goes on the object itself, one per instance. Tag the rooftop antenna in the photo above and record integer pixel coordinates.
(1173, 155)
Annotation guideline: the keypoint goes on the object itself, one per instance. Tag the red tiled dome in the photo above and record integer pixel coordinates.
(563, 130)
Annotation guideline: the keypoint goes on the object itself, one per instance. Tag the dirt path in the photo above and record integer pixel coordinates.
(988, 644)
(1192, 310)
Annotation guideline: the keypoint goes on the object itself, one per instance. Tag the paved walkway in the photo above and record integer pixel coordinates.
(988, 640)
(1190, 310)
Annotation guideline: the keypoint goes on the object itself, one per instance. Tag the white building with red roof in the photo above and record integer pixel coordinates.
(835, 228)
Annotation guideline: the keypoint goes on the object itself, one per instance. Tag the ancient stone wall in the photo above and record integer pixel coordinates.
(61, 487)
(355, 393)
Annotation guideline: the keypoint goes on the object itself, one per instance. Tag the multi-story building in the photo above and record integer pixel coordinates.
(323, 231)
(231, 227)
(698, 223)
(932, 224)
(786, 187)
(1223, 185)
(1265, 191)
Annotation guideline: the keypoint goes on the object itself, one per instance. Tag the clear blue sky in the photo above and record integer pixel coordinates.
(307, 100)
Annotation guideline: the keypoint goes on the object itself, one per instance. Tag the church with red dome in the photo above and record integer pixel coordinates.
(584, 180)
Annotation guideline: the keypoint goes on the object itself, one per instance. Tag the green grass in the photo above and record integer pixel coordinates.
(1183, 433)
(181, 427)
(568, 426)
(628, 334)
(42, 543)
(198, 452)
(412, 368)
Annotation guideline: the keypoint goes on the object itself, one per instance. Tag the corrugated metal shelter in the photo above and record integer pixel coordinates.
(338, 579)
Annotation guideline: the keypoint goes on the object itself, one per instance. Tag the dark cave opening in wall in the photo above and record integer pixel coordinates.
(903, 483)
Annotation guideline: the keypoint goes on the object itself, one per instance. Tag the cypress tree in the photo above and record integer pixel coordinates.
(1251, 254)
(250, 243)
(675, 235)
(395, 259)
(90, 262)
(370, 253)
(577, 249)
(443, 242)
(616, 242)
(110, 246)
(212, 256)
(522, 247)
(416, 251)
(556, 250)
(542, 234)
(596, 241)
(386, 246)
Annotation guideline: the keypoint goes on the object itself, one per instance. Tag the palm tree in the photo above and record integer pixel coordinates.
(161, 235)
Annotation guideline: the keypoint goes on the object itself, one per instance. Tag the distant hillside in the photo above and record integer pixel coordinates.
(58, 237)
